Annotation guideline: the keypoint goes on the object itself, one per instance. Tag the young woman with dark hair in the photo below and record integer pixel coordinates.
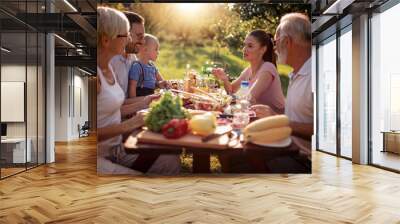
(262, 75)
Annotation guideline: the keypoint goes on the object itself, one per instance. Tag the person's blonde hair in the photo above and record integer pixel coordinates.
(110, 22)
(148, 38)
(297, 26)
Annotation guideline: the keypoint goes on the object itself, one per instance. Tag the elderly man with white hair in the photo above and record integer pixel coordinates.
(293, 47)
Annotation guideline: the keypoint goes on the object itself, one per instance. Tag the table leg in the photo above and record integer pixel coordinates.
(201, 162)
(225, 163)
(257, 162)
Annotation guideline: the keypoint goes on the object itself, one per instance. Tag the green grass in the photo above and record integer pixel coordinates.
(173, 58)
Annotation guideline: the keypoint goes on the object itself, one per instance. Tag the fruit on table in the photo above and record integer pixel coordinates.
(211, 115)
(175, 128)
(267, 130)
(204, 106)
(163, 110)
(268, 135)
(204, 124)
(267, 123)
(207, 106)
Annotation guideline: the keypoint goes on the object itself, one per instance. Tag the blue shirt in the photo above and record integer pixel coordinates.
(149, 74)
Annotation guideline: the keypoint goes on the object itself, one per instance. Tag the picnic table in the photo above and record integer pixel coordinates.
(256, 156)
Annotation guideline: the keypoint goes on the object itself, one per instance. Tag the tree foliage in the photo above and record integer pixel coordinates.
(243, 18)
(224, 24)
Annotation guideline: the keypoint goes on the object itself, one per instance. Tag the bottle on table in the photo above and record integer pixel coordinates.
(243, 92)
(243, 96)
(241, 112)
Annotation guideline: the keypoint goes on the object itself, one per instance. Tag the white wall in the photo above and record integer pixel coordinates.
(80, 97)
(13, 73)
(33, 127)
(61, 103)
(71, 93)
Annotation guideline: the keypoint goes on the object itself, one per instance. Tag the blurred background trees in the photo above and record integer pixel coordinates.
(251, 16)
(193, 33)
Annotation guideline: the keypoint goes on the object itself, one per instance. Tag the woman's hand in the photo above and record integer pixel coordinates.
(262, 110)
(163, 84)
(136, 121)
(149, 98)
(219, 73)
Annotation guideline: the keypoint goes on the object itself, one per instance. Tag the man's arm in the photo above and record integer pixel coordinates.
(262, 110)
(302, 130)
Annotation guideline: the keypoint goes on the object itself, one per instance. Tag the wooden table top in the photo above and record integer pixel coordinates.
(133, 146)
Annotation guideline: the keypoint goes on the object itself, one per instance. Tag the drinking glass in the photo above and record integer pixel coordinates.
(240, 118)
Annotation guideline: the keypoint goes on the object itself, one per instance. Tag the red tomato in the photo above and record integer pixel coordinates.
(175, 128)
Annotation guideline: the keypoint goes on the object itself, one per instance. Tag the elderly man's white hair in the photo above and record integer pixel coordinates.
(297, 26)
(111, 22)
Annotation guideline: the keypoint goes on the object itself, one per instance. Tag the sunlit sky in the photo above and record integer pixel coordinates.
(190, 8)
(192, 11)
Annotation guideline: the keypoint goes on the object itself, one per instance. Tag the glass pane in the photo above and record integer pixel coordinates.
(31, 101)
(13, 74)
(385, 89)
(346, 94)
(22, 80)
(327, 96)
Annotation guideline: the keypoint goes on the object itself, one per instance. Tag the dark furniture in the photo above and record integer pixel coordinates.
(391, 141)
(3, 129)
(84, 130)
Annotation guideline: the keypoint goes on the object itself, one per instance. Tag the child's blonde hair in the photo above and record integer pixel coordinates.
(148, 38)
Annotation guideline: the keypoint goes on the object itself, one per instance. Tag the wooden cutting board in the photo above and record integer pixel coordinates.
(188, 140)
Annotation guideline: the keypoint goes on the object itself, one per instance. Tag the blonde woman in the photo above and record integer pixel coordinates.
(112, 37)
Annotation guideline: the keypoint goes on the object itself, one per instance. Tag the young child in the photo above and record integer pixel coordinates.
(144, 77)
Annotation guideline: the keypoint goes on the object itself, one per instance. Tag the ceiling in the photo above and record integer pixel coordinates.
(328, 15)
(72, 20)
(75, 21)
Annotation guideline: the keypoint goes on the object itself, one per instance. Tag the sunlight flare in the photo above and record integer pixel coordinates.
(190, 8)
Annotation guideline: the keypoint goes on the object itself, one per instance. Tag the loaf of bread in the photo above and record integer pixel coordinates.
(267, 123)
(268, 135)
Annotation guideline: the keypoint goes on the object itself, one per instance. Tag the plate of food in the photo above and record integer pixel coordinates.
(277, 144)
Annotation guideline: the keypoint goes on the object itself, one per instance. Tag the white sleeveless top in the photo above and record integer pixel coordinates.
(109, 102)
